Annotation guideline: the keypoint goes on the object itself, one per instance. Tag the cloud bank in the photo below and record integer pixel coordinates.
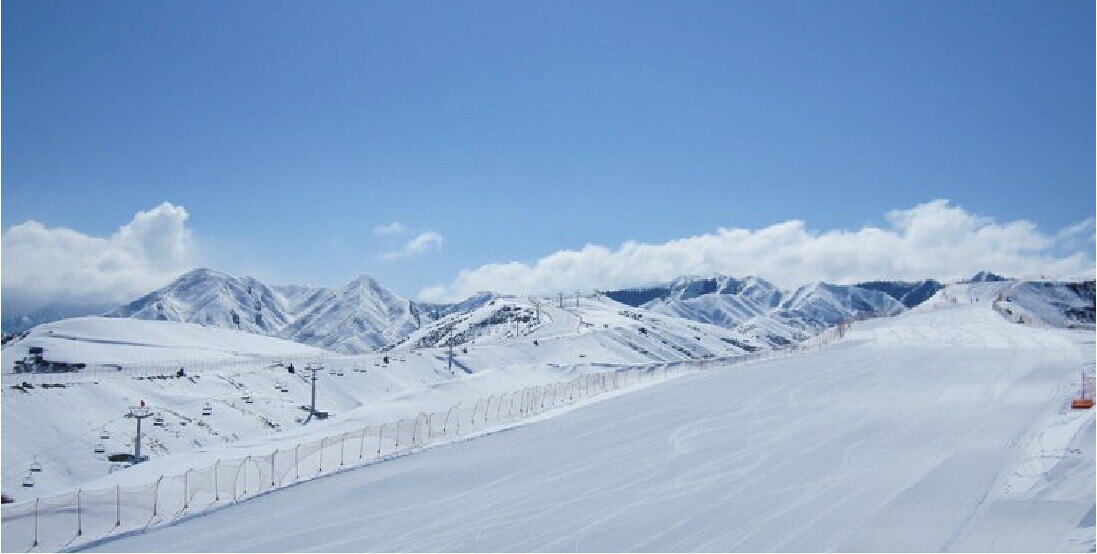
(57, 265)
(934, 239)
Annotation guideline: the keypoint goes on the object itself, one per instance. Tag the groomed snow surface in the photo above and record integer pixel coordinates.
(945, 429)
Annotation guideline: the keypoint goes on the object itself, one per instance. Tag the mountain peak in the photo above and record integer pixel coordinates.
(200, 273)
(364, 279)
(985, 277)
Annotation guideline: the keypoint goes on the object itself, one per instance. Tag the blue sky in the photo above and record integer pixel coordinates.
(514, 130)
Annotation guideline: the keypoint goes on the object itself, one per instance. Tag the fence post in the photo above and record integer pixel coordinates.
(117, 506)
(272, 456)
(342, 447)
(35, 522)
(321, 470)
(79, 521)
(297, 461)
(156, 497)
(245, 464)
(216, 487)
(380, 438)
(186, 493)
(362, 444)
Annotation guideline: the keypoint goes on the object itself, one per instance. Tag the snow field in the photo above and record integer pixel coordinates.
(86, 515)
(358, 390)
(940, 430)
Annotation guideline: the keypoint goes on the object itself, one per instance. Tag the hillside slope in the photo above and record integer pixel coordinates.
(224, 366)
(935, 430)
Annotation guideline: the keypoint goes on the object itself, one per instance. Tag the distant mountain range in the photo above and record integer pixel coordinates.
(360, 316)
(364, 316)
(51, 312)
(756, 307)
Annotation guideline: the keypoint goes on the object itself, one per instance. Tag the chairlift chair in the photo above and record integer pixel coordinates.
(207, 409)
(248, 400)
(100, 448)
(158, 421)
(35, 466)
(28, 481)
(104, 435)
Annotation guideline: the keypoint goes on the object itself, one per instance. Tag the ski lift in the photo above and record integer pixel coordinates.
(100, 448)
(35, 466)
(207, 409)
(28, 481)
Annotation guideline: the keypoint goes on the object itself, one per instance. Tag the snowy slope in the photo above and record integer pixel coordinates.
(506, 318)
(936, 430)
(105, 340)
(365, 390)
(1041, 303)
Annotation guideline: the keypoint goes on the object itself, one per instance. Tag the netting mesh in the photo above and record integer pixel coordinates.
(99, 514)
(331, 453)
(136, 506)
(226, 474)
(57, 521)
(405, 434)
(285, 466)
(308, 458)
(201, 492)
(256, 474)
(169, 498)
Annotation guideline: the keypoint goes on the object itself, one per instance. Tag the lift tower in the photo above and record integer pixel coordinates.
(138, 412)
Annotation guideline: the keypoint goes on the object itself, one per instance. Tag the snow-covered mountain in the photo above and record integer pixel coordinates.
(216, 299)
(504, 320)
(909, 293)
(759, 309)
(361, 316)
(364, 316)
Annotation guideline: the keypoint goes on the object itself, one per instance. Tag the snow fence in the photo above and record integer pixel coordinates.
(69, 520)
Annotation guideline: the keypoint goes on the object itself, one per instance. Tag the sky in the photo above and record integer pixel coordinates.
(450, 147)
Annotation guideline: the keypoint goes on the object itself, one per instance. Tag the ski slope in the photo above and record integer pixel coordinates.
(942, 429)
(224, 366)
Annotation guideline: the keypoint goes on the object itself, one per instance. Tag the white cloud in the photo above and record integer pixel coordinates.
(394, 228)
(934, 239)
(422, 243)
(42, 264)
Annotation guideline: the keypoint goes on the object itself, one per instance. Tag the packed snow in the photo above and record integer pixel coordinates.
(939, 429)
